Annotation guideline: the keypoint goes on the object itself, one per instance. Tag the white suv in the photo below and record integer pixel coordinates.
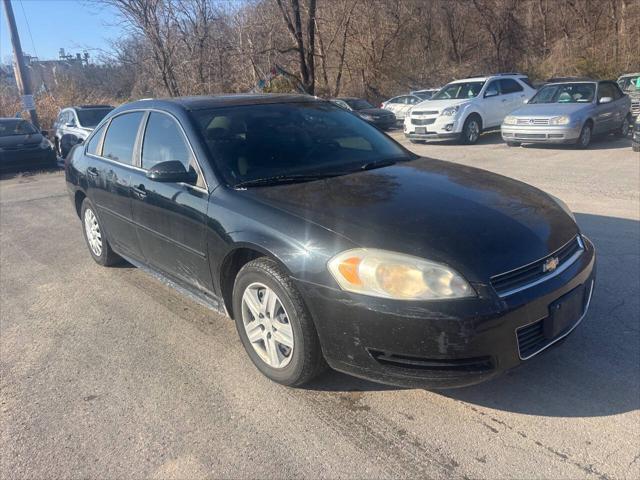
(464, 108)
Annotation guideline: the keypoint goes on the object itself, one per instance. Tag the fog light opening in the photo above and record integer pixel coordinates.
(448, 127)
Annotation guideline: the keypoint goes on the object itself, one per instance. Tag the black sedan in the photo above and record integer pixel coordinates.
(381, 118)
(22, 146)
(329, 243)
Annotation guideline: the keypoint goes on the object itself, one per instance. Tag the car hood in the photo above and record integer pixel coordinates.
(19, 140)
(550, 109)
(439, 104)
(480, 223)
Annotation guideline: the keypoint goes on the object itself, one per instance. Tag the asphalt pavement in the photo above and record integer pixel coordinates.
(109, 373)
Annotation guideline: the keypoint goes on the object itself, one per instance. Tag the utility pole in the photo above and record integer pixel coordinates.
(21, 71)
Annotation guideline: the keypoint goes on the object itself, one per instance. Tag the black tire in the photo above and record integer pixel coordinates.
(471, 130)
(106, 256)
(417, 141)
(306, 360)
(624, 129)
(584, 140)
(513, 144)
(56, 144)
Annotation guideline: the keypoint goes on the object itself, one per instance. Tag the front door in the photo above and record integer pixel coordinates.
(605, 112)
(171, 217)
(109, 180)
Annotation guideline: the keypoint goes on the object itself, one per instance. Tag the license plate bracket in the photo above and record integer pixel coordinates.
(421, 130)
(564, 312)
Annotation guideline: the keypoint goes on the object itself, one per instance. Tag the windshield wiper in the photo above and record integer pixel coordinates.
(282, 179)
(378, 164)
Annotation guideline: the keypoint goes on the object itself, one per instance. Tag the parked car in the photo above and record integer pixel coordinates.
(22, 146)
(291, 215)
(464, 108)
(636, 136)
(379, 117)
(630, 84)
(401, 105)
(569, 112)
(74, 124)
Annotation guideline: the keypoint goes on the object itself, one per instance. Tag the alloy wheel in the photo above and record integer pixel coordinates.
(267, 325)
(473, 131)
(92, 229)
(625, 128)
(585, 136)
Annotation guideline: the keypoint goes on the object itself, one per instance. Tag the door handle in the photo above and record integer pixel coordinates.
(139, 191)
(92, 171)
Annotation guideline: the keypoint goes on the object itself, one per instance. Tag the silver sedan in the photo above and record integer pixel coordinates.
(569, 112)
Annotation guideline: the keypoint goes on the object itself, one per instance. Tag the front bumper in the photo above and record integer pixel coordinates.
(439, 344)
(18, 160)
(540, 134)
(432, 127)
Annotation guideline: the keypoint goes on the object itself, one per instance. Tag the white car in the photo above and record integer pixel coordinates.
(401, 105)
(464, 108)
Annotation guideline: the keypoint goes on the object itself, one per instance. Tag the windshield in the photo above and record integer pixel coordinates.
(91, 117)
(459, 91)
(424, 95)
(257, 142)
(630, 84)
(358, 104)
(18, 126)
(565, 93)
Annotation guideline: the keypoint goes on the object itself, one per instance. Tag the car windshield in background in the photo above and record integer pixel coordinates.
(424, 96)
(11, 127)
(358, 104)
(629, 84)
(92, 116)
(459, 91)
(565, 93)
(277, 143)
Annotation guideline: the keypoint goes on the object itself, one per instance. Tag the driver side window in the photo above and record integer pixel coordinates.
(493, 89)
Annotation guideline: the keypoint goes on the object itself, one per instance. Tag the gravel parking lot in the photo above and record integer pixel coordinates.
(109, 373)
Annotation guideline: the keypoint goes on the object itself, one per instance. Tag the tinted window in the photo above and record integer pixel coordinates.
(9, 127)
(92, 117)
(358, 104)
(606, 90)
(94, 143)
(508, 85)
(266, 141)
(121, 136)
(527, 82)
(163, 142)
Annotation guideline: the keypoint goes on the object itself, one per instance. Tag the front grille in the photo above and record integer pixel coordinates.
(635, 107)
(427, 121)
(533, 121)
(425, 112)
(515, 280)
(465, 365)
(531, 135)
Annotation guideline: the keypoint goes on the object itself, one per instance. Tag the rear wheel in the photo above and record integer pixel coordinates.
(417, 141)
(274, 326)
(95, 236)
(623, 131)
(513, 144)
(585, 136)
(471, 130)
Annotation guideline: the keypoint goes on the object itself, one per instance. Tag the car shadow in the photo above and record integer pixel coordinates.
(596, 371)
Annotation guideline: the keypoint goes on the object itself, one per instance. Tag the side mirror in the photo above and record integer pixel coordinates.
(526, 100)
(491, 93)
(605, 100)
(172, 171)
(70, 124)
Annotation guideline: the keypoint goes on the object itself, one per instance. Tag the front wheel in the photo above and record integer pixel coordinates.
(417, 141)
(585, 137)
(513, 144)
(95, 236)
(471, 130)
(274, 326)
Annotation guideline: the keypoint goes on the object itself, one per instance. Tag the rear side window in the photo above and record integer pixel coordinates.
(606, 90)
(527, 82)
(164, 142)
(94, 143)
(508, 85)
(121, 137)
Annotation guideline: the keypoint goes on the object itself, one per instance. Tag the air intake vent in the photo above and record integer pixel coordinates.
(531, 339)
(466, 365)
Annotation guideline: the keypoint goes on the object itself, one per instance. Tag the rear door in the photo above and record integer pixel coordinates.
(513, 92)
(171, 217)
(109, 179)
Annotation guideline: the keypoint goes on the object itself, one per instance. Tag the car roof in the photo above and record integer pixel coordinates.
(215, 101)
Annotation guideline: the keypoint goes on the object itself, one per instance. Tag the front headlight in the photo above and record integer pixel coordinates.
(561, 120)
(368, 118)
(45, 143)
(385, 274)
(449, 111)
(510, 120)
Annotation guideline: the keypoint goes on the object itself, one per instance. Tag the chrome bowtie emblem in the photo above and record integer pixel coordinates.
(531, 121)
(550, 265)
